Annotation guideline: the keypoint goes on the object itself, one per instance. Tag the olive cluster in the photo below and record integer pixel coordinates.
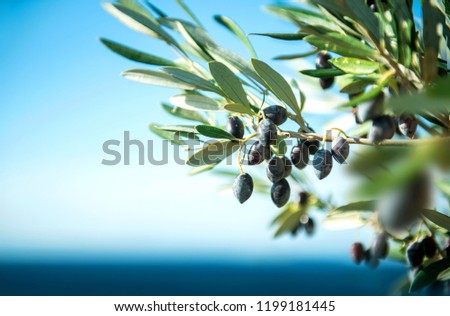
(323, 158)
(378, 250)
(383, 126)
(322, 62)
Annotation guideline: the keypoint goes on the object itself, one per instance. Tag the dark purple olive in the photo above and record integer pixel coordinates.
(275, 169)
(287, 167)
(313, 146)
(430, 246)
(371, 262)
(322, 61)
(357, 252)
(380, 247)
(243, 187)
(267, 132)
(235, 127)
(407, 124)
(340, 150)
(415, 254)
(258, 153)
(303, 198)
(309, 226)
(372, 109)
(300, 155)
(280, 193)
(326, 83)
(322, 163)
(276, 113)
(382, 128)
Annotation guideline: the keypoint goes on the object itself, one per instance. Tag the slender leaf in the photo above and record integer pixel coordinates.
(188, 129)
(288, 223)
(357, 206)
(444, 186)
(214, 132)
(239, 108)
(192, 79)
(136, 55)
(135, 6)
(431, 38)
(230, 84)
(277, 84)
(284, 36)
(438, 218)
(444, 275)
(355, 66)
(414, 103)
(322, 73)
(185, 114)
(234, 28)
(429, 274)
(156, 78)
(166, 134)
(195, 102)
(154, 8)
(212, 153)
(189, 12)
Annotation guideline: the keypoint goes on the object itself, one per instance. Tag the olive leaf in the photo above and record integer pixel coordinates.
(136, 55)
(171, 136)
(184, 114)
(195, 102)
(189, 12)
(228, 82)
(322, 73)
(355, 66)
(214, 132)
(438, 218)
(234, 28)
(277, 84)
(239, 108)
(156, 78)
(212, 153)
(356, 206)
(283, 36)
(191, 79)
(429, 274)
(188, 129)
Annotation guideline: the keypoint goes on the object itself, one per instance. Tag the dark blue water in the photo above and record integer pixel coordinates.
(170, 278)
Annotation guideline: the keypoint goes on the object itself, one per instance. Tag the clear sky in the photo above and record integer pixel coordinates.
(62, 96)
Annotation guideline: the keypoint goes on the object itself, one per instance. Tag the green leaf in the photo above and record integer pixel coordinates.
(154, 8)
(414, 103)
(195, 102)
(166, 134)
(444, 186)
(156, 78)
(355, 66)
(239, 108)
(284, 36)
(234, 28)
(192, 79)
(341, 44)
(343, 220)
(357, 206)
(136, 55)
(277, 84)
(188, 129)
(444, 275)
(212, 153)
(431, 19)
(438, 218)
(356, 86)
(429, 274)
(139, 22)
(184, 114)
(135, 6)
(322, 73)
(288, 223)
(189, 12)
(370, 95)
(214, 132)
(230, 84)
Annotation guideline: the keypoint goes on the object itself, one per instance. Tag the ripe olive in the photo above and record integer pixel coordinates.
(235, 127)
(322, 61)
(340, 149)
(280, 192)
(357, 252)
(309, 226)
(287, 166)
(267, 132)
(407, 124)
(300, 155)
(383, 127)
(415, 254)
(243, 187)
(276, 113)
(429, 246)
(326, 83)
(258, 153)
(380, 247)
(303, 198)
(275, 169)
(322, 163)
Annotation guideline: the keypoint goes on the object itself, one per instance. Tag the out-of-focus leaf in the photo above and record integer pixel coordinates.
(212, 153)
(139, 22)
(214, 132)
(429, 274)
(355, 66)
(431, 38)
(201, 169)
(185, 114)
(189, 12)
(277, 84)
(166, 134)
(230, 84)
(444, 186)
(356, 86)
(440, 89)
(322, 73)
(157, 79)
(438, 218)
(357, 206)
(195, 102)
(234, 28)
(296, 56)
(418, 103)
(343, 220)
(284, 36)
(136, 55)
(288, 224)
(444, 275)
(303, 17)
(192, 79)
(239, 108)
(370, 95)
(135, 6)
(154, 8)
(341, 44)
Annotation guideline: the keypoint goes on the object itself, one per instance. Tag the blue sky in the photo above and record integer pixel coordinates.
(62, 96)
